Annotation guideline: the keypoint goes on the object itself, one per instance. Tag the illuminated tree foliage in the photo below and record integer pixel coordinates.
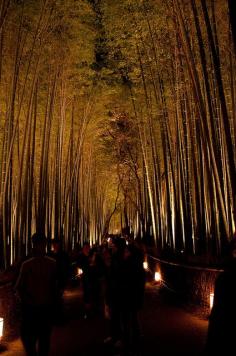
(117, 114)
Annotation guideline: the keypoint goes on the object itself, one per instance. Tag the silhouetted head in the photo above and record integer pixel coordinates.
(39, 242)
(118, 244)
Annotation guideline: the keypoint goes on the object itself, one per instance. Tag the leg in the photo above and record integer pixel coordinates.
(29, 332)
(44, 335)
(44, 332)
(44, 341)
(125, 325)
(115, 323)
(135, 333)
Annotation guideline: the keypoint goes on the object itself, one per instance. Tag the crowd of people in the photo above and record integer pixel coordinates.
(113, 283)
(112, 280)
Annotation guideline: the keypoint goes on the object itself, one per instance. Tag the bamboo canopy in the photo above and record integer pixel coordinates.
(118, 116)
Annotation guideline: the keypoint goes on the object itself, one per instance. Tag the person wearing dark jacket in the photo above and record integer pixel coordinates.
(131, 294)
(124, 297)
(221, 327)
(63, 272)
(88, 262)
(36, 287)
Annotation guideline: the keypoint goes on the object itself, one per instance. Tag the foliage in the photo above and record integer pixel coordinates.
(117, 111)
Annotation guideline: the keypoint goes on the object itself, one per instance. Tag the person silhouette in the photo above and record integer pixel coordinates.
(221, 326)
(63, 272)
(36, 287)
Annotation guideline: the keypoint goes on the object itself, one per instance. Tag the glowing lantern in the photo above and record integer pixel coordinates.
(79, 271)
(145, 265)
(1, 328)
(157, 276)
(211, 300)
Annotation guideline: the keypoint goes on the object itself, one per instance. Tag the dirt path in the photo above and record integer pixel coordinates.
(167, 329)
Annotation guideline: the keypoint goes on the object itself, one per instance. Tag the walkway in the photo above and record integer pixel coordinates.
(167, 329)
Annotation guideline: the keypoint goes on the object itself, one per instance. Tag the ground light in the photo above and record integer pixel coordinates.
(211, 300)
(1, 328)
(157, 276)
(2, 346)
(79, 272)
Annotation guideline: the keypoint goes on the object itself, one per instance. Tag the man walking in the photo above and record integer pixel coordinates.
(37, 287)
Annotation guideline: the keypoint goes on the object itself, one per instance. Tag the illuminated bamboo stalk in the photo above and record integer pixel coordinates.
(165, 129)
(44, 160)
(215, 130)
(199, 100)
(155, 155)
(7, 160)
(23, 169)
(71, 226)
(78, 149)
(225, 117)
(4, 7)
(27, 181)
(144, 145)
(15, 123)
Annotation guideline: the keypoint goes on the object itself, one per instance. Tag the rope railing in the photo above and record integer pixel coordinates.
(6, 283)
(196, 288)
(206, 269)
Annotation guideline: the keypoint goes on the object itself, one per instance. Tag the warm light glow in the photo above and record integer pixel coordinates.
(145, 265)
(79, 271)
(211, 300)
(1, 327)
(157, 277)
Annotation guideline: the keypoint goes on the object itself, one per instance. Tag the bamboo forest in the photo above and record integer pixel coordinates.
(118, 116)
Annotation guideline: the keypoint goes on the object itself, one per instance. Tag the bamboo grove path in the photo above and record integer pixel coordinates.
(167, 329)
